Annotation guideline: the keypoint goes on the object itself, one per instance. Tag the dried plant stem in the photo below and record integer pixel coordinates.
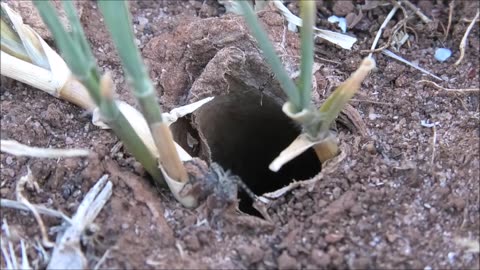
(169, 157)
(75, 92)
(18, 149)
(39, 208)
(8, 255)
(28, 178)
(417, 11)
(26, 57)
(384, 24)
(450, 15)
(67, 254)
(46, 80)
(326, 149)
(459, 90)
(463, 43)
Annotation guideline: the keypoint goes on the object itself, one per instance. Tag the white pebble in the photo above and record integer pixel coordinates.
(442, 54)
(341, 21)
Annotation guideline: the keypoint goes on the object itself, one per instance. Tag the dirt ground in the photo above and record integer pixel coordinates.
(399, 196)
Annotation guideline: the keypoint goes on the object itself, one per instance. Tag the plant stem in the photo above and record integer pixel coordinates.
(266, 46)
(307, 12)
(79, 58)
(117, 18)
(128, 136)
(80, 63)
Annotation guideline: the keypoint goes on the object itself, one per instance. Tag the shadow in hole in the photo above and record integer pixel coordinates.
(245, 132)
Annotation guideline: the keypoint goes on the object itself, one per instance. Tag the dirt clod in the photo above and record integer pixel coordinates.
(251, 253)
(332, 238)
(320, 258)
(342, 8)
(286, 261)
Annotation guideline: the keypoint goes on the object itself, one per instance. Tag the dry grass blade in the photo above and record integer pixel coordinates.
(67, 254)
(20, 40)
(463, 43)
(25, 263)
(405, 61)
(8, 255)
(301, 144)
(18, 149)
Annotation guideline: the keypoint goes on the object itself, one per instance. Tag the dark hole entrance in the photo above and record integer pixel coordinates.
(245, 132)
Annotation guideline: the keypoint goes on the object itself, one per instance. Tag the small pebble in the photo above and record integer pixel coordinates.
(333, 238)
(192, 242)
(142, 20)
(286, 261)
(342, 8)
(320, 258)
(9, 160)
(68, 140)
(76, 193)
(442, 54)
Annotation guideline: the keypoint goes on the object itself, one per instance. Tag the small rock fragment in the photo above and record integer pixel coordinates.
(333, 238)
(9, 160)
(457, 203)
(251, 253)
(320, 258)
(68, 140)
(191, 242)
(342, 8)
(442, 54)
(286, 261)
(361, 263)
(142, 21)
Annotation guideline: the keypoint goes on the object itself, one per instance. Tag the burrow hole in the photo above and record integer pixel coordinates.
(245, 131)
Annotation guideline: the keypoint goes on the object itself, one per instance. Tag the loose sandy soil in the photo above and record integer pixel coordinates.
(398, 197)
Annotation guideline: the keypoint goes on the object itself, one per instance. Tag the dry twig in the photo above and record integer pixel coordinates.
(25, 180)
(18, 149)
(460, 90)
(417, 11)
(39, 208)
(384, 24)
(67, 253)
(463, 43)
(450, 15)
